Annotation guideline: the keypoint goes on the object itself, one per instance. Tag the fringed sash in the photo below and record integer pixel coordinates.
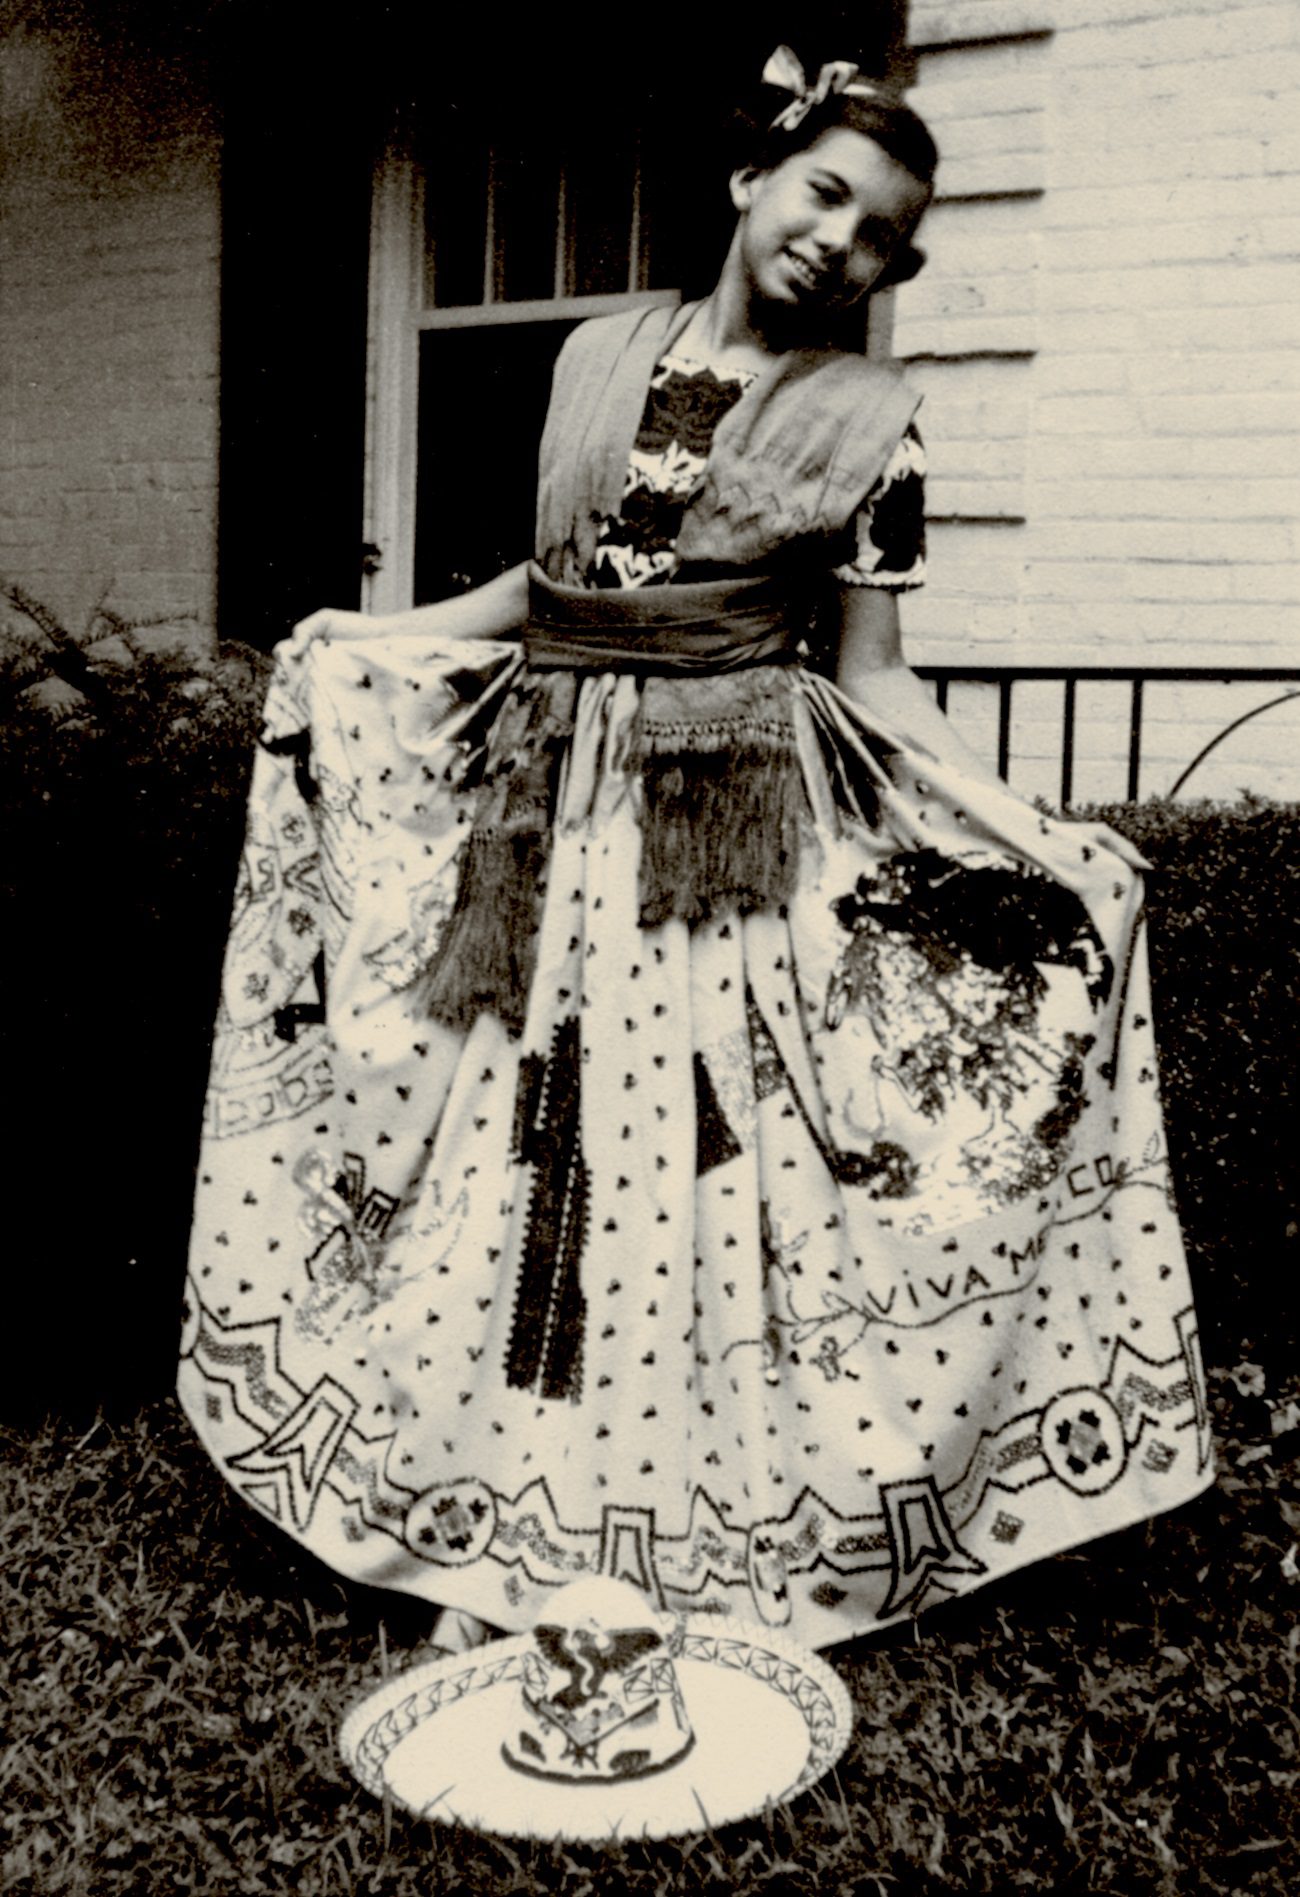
(713, 744)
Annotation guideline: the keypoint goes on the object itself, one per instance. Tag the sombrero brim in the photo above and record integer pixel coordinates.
(769, 1719)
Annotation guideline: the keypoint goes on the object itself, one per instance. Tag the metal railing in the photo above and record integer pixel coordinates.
(1070, 677)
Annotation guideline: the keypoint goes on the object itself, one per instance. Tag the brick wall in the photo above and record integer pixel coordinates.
(109, 313)
(1106, 335)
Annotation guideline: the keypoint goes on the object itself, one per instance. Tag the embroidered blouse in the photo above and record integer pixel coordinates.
(684, 405)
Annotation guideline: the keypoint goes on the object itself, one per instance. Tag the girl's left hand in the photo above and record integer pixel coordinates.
(1103, 837)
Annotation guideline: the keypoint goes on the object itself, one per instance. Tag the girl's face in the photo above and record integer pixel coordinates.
(819, 230)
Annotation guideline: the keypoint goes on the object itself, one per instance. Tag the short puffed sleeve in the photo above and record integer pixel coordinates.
(890, 524)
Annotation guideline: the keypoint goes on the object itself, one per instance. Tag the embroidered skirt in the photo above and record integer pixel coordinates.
(808, 1256)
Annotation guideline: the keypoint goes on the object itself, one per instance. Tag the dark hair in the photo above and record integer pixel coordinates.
(896, 128)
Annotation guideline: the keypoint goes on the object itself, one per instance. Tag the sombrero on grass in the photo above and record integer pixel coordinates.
(608, 1720)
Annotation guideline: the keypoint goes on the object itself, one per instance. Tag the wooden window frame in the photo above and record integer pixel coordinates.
(398, 314)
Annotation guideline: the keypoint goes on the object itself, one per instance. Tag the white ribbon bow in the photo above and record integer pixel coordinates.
(837, 75)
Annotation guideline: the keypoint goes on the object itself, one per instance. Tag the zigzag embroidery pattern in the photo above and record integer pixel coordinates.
(915, 1537)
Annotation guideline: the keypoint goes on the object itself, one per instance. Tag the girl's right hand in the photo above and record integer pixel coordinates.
(333, 622)
(496, 610)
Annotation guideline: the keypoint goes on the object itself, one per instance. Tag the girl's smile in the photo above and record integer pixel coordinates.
(822, 226)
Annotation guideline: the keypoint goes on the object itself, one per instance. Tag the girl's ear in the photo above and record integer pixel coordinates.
(742, 186)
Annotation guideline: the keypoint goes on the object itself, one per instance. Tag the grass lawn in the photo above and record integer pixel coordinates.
(1123, 1719)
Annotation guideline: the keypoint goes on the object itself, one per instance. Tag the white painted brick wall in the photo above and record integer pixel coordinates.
(109, 329)
(1106, 336)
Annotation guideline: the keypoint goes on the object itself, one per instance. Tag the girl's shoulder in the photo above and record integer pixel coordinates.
(604, 338)
(844, 372)
(842, 409)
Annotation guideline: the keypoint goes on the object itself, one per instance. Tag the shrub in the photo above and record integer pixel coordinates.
(1224, 909)
(123, 771)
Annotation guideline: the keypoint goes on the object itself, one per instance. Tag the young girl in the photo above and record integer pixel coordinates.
(674, 1114)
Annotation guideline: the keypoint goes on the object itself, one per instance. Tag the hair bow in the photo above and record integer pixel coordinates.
(837, 75)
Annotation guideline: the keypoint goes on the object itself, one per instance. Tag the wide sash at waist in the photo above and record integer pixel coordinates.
(698, 626)
(708, 744)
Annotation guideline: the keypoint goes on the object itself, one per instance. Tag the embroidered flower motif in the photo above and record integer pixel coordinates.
(686, 408)
(1083, 1442)
(683, 408)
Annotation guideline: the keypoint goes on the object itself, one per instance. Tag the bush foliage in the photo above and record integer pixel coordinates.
(1223, 904)
(123, 771)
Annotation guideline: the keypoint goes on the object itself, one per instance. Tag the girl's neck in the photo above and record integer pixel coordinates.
(724, 328)
(736, 329)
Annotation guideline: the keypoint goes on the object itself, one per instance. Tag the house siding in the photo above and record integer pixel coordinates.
(1107, 340)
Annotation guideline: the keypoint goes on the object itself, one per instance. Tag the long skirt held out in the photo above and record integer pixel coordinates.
(808, 1265)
